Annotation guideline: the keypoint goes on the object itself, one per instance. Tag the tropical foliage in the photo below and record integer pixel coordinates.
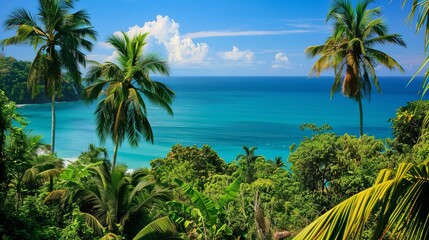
(114, 202)
(408, 124)
(399, 201)
(122, 113)
(350, 50)
(204, 218)
(189, 163)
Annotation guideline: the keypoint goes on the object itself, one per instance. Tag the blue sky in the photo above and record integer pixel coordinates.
(225, 37)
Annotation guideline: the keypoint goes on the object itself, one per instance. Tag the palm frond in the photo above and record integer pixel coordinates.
(230, 192)
(400, 202)
(55, 195)
(384, 59)
(161, 228)
(93, 223)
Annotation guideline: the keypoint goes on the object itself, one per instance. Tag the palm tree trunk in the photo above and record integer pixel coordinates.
(53, 123)
(115, 153)
(360, 118)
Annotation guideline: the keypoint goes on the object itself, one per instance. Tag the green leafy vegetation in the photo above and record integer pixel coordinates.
(13, 81)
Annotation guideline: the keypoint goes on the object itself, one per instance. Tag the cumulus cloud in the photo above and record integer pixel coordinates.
(235, 54)
(281, 61)
(180, 50)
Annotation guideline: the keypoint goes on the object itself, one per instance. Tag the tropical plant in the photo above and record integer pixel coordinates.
(7, 116)
(118, 202)
(94, 154)
(408, 124)
(205, 218)
(20, 151)
(58, 39)
(43, 168)
(278, 162)
(192, 164)
(122, 112)
(350, 50)
(398, 200)
(249, 159)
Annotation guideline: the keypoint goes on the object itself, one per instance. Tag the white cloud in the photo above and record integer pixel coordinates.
(235, 54)
(180, 50)
(105, 45)
(204, 34)
(281, 61)
(103, 57)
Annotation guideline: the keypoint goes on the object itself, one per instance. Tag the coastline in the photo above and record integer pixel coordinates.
(255, 111)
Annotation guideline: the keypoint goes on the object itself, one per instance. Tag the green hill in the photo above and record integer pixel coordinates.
(13, 81)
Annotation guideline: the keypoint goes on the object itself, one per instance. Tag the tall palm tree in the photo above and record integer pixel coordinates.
(122, 112)
(350, 50)
(399, 201)
(58, 36)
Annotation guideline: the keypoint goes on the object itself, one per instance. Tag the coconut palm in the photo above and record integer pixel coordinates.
(400, 204)
(57, 35)
(350, 50)
(119, 203)
(122, 112)
(249, 159)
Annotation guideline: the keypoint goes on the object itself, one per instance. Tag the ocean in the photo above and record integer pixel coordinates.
(228, 113)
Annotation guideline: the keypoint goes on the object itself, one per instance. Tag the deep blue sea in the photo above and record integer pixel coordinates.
(230, 112)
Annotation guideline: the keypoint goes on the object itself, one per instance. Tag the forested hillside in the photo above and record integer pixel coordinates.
(13, 81)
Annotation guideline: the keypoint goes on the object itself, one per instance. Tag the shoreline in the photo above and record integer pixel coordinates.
(20, 105)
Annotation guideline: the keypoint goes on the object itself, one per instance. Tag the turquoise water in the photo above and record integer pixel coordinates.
(230, 112)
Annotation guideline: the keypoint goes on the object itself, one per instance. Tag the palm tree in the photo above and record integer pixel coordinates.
(278, 162)
(400, 204)
(120, 203)
(250, 158)
(122, 112)
(350, 50)
(58, 35)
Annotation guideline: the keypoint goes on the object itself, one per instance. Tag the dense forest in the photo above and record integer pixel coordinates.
(13, 81)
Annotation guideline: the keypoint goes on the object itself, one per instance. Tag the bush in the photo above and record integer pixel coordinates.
(407, 124)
